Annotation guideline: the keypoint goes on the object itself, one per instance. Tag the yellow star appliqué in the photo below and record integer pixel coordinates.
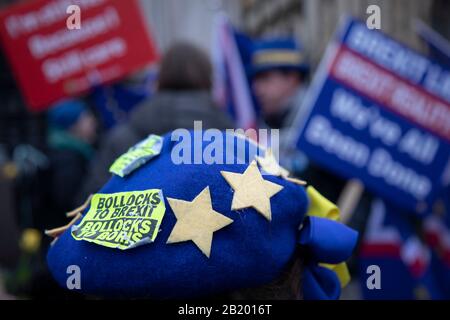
(196, 221)
(251, 190)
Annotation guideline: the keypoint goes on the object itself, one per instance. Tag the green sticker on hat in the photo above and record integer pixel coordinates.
(122, 220)
(137, 155)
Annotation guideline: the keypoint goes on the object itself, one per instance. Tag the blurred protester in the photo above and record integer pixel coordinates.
(279, 74)
(182, 97)
(72, 131)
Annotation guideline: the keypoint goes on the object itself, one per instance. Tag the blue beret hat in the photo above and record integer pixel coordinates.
(278, 53)
(251, 240)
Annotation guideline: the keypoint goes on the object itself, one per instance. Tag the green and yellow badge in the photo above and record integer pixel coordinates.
(122, 220)
(137, 155)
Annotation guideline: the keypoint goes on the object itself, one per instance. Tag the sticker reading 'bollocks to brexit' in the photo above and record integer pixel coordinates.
(122, 220)
(137, 155)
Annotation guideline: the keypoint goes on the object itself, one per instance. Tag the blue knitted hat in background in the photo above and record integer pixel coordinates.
(65, 114)
(278, 53)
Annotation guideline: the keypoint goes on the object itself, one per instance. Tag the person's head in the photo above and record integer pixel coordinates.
(185, 67)
(273, 88)
(74, 117)
(278, 70)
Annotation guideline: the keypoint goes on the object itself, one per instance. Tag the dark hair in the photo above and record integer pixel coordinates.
(288, 286)
(185, 67)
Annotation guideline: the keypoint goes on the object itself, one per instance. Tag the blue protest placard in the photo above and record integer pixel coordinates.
(379, 112)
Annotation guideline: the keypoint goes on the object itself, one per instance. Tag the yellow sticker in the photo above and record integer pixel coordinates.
(137, 155)
(122, 220)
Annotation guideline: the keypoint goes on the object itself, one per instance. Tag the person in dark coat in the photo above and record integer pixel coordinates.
(72, 131)
(182, 97)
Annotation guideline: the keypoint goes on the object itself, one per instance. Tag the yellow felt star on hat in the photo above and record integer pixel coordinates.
(251, 190)
(196, 221)
(270, 165)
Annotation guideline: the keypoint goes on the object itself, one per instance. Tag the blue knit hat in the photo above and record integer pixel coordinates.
(278, 53)
(167, 225)
(65, 114)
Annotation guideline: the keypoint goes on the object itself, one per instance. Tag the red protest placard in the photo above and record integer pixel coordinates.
(51, 62)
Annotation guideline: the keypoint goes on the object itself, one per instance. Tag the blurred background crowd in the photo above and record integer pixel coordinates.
(207, 64)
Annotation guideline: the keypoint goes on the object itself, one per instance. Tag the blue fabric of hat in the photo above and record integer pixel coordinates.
(249, 252)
